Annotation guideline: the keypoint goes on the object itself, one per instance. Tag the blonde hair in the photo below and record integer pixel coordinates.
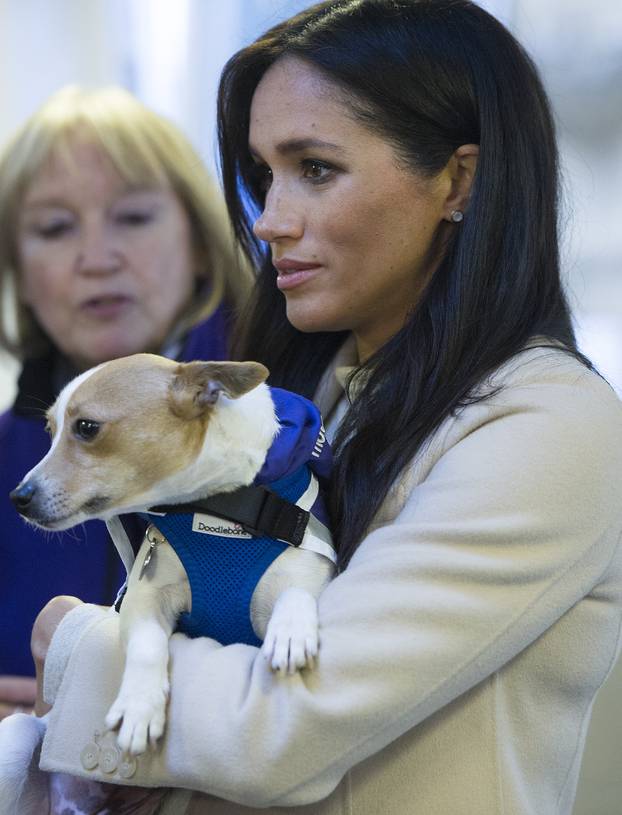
(146, 150)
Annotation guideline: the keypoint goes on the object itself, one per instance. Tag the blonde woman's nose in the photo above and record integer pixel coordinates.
(97, 250)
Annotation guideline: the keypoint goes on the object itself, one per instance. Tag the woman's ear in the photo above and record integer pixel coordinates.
(461, 167)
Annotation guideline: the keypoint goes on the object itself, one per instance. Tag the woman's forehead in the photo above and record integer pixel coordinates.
(73, 157)
(296, 104)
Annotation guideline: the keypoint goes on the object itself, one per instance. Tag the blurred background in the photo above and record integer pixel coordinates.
(170, 53)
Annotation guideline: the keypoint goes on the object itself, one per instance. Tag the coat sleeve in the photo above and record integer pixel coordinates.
(517, 519)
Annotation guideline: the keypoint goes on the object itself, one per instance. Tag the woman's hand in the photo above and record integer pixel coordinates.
(17, 694)
(43, 630)
(22, 693)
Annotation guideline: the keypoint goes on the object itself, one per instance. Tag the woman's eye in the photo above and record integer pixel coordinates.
(135, 218)
(261, 177)
(316, 170)
(54, 229)
(86, 429)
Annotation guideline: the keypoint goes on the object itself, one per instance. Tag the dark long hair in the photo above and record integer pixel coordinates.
(429, 76)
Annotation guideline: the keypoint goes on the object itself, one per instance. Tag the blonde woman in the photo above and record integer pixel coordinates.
(113, 240)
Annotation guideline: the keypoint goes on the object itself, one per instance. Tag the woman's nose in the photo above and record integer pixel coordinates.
(97, 252)
(278, 220)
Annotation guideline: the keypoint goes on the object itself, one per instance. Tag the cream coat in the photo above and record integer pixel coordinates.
(460, 651)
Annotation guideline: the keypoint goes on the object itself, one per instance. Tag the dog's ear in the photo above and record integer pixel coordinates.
(197, 386)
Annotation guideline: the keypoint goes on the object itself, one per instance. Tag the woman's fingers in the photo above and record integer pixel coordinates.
(43, 630)
(17, 694)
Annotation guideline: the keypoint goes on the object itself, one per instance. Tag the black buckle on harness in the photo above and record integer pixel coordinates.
(258, 510)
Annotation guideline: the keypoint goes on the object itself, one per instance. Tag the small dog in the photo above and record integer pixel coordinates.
(144, 434)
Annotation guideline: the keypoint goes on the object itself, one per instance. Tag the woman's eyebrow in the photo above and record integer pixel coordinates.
(45, 203)
(290, 146)
(55, 201)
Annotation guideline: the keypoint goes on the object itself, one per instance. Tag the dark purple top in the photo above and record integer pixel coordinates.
(36, 565)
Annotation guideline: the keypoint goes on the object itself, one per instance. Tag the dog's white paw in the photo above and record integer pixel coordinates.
(291, 641)
(141, 714)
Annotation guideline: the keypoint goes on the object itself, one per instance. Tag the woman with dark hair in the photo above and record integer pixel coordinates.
(390, 166)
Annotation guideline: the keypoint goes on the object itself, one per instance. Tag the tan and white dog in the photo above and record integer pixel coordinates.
(143, 431)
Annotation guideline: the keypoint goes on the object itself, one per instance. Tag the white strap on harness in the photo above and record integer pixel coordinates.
(317, 538)
(121, 541)
(123, 547)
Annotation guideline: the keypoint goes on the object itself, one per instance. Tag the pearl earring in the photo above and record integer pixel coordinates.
(456, 216)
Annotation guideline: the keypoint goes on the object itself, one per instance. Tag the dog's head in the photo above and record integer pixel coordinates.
(134, 432)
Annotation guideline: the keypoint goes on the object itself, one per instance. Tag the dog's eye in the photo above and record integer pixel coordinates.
(85, 429)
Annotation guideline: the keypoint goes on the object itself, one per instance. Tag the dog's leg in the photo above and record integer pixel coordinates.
(148, 615)
(292, 638)
(284, 608)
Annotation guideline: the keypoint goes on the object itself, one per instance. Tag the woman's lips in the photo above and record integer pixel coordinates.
(106, 307)
(292, 273)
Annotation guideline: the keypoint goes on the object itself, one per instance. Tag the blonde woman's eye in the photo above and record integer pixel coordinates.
(54, 229)
(135, 218)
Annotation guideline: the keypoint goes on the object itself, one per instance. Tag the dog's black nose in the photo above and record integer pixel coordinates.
(22, 495)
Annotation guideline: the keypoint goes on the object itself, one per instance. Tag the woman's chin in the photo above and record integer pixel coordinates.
(95, 354)
(310, 320)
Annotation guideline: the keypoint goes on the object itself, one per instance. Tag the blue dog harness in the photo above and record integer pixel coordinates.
(222, 541)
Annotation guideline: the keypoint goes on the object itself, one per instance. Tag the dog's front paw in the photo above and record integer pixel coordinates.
(292, 640)
(142, 716)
